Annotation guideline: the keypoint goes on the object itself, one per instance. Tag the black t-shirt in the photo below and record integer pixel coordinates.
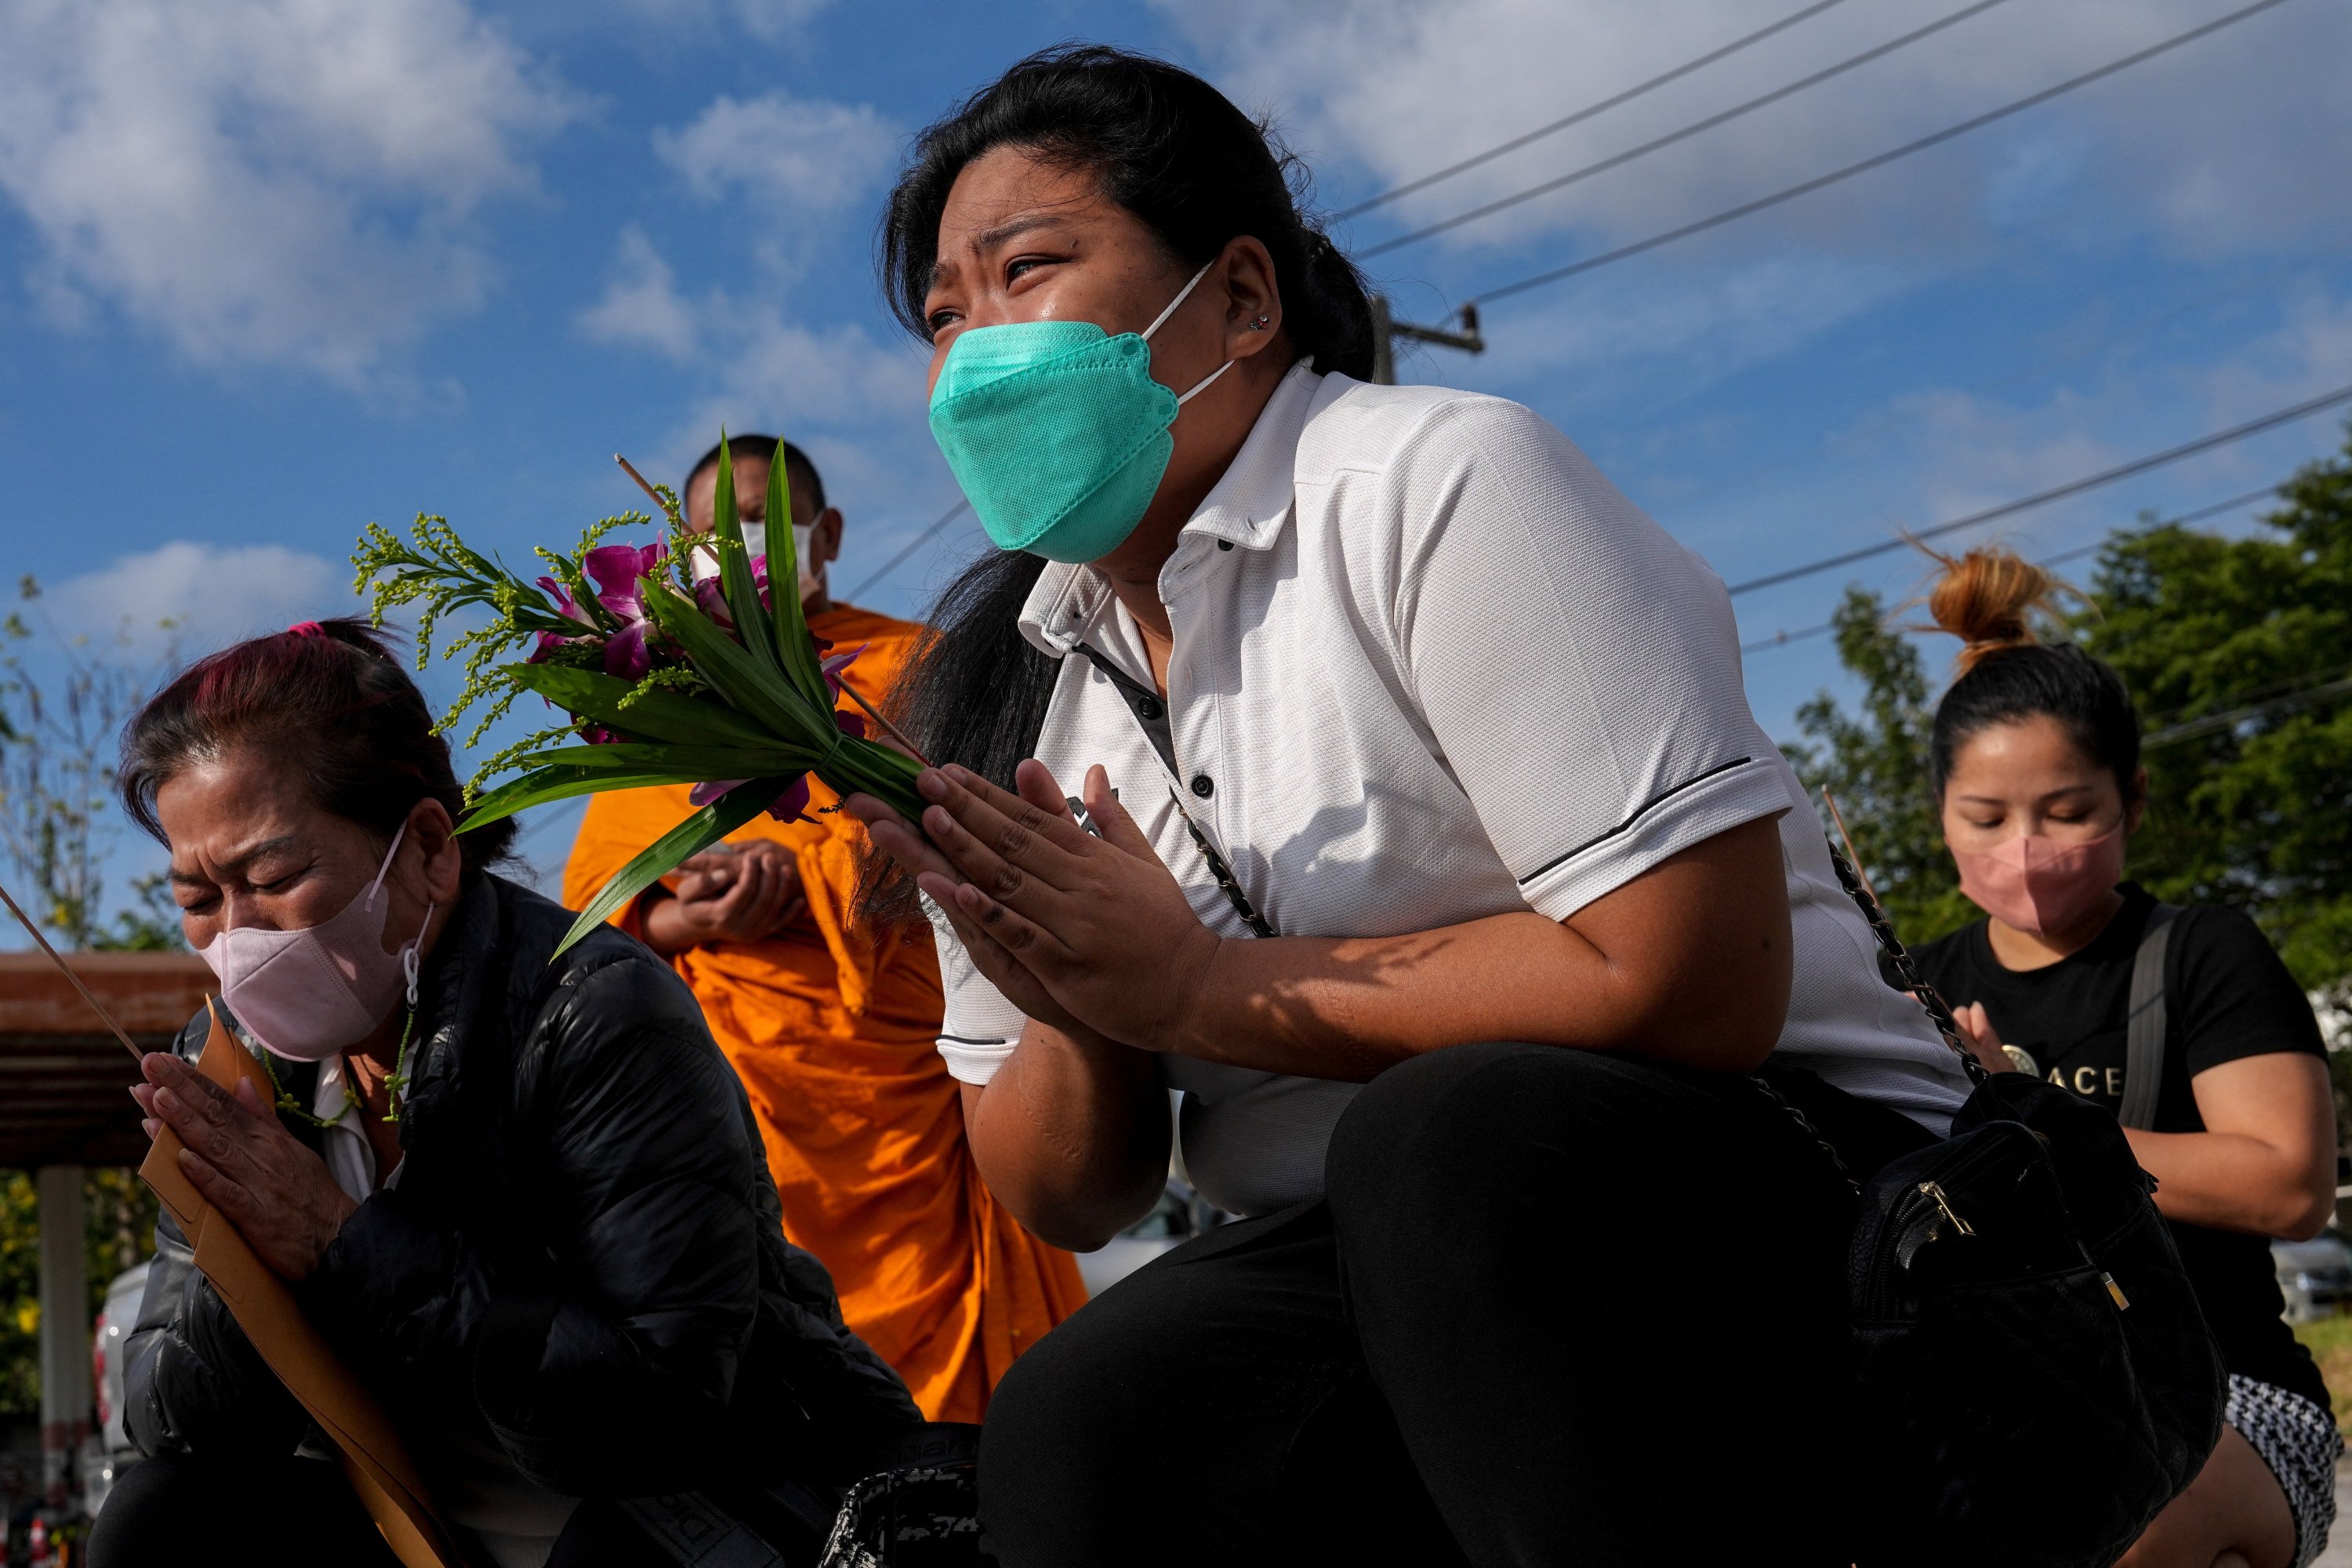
(2226, 996)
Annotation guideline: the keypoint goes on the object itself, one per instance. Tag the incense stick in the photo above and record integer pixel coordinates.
(95, 1006)
(630, 468)
(888, 728)
(1846, 838)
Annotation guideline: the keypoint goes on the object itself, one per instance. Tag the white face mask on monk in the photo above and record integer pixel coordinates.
(755, 543)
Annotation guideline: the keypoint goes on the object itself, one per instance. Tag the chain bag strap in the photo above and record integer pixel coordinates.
(1906, 970)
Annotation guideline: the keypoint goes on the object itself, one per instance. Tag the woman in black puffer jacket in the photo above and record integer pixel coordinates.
(562, 1269)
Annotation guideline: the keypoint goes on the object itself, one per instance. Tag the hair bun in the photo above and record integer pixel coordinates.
(1988, 597)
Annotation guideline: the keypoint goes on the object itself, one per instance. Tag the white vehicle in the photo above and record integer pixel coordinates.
(110, 1452)
(2314, 1276)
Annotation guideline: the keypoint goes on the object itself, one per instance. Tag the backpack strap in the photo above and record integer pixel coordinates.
(2146, 1025)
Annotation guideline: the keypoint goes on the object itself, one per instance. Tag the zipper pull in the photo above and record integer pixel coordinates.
(2115, 1291)
(1934, 1192)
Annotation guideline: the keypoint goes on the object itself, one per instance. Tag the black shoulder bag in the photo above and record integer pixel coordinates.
(2037, 1377)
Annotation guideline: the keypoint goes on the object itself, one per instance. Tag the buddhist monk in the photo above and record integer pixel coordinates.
(833, 1027)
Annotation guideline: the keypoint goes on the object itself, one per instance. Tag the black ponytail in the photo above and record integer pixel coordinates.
(1199, 172)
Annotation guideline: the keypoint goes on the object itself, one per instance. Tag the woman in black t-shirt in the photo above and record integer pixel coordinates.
(2035, 761)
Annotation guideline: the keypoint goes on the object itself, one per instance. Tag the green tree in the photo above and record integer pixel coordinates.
(118, 1233)
(63, 701)
(2238, 653)
(1875, 763)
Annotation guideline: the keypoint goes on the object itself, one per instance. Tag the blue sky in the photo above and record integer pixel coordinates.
(273, 269)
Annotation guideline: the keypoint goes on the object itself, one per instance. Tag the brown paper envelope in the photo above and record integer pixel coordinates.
(373, 1457)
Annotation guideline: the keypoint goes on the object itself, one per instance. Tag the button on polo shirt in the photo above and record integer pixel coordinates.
(1429, 666)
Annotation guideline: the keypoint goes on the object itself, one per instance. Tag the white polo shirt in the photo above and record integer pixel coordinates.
(1430, 666)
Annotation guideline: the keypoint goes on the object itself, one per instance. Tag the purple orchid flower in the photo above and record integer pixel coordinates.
(565, 605)
(598, 735)
(793, 805)
(834, 666)
(787, 807)
(710, 596)
(626, 654)
(616, 569)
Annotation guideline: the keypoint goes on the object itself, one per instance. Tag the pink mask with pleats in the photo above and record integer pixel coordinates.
(306, 995)
(2038, 885)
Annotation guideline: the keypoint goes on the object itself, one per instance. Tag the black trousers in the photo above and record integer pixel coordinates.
(1554, 1307)
(301, 1513)
(282, 1513)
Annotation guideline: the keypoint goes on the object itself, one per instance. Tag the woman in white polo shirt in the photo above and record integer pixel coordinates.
(1306, 739)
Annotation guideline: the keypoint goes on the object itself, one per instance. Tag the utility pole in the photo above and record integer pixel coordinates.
(1386, 329)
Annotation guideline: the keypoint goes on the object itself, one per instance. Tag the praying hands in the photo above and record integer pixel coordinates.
(277, 1192)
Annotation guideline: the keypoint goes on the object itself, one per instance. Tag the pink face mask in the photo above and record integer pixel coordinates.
(306, 995)
(2036, 885)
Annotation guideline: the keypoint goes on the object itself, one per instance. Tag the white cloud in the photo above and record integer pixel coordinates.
(194, 597)
(763, 367)
(273, 182)
(641, 306)
(769, 20)
(853, 401)
(800, 151)
(2230, 142)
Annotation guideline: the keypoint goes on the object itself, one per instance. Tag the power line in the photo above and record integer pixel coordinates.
(1781, 640)
(2250, 696)
(912, 546)
(2076, 487)
(1794, 454)
(2213, 723)
(1687, 131)
(1581, 115)
(1879, 161)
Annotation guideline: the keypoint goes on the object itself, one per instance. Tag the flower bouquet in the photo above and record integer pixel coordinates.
(663, 680)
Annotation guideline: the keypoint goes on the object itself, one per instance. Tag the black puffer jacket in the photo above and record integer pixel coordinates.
(583, 1261)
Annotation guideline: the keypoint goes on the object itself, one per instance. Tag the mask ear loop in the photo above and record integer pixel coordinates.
(383, 871)
(1183, 294)
(396, 1082)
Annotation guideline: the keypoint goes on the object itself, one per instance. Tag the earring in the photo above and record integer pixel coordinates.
(1259, 325)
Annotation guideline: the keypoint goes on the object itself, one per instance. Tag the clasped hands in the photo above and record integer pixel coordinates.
(736, 892)
(233, 1151)
(1091, 936)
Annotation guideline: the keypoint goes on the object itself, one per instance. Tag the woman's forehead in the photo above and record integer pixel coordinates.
(2037, 753)
(239, 806)
(1010, 191)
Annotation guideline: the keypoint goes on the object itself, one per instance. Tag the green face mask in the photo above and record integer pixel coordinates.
(1056, 431)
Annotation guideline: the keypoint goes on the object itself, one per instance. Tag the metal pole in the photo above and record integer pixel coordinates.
(65, 1327)
(1384, 343)
(1387, 330)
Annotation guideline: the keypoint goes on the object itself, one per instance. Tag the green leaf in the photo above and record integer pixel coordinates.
(763, 692)
(794, 647)
(658, 715)
(735, 579)
(546, 785)
(689, 838)
(698, 762)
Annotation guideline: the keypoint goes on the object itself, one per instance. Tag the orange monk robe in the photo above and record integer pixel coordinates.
(834, 1031)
